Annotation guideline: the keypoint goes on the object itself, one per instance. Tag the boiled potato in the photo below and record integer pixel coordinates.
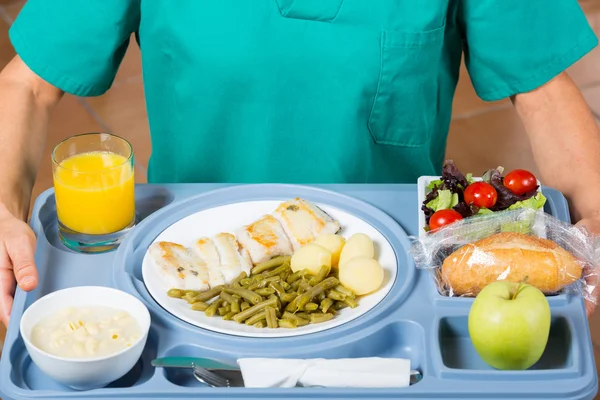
(357, 245)
(333, 243)
(361, 274)
(311, 257)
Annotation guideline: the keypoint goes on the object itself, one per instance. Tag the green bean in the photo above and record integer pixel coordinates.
(303, 315)
(335, 295)
(244, 306)
(296, 285)
(317, 318)
(199, 306)
(229, 316)
(209, 294)
(239, 278)
(270, 317)
(227, 297)
(277, 288)
(297, 275)
(247, 281)
(282, 268)
(175, 293)
(223, 310)
(246, 294)
(310, 307)
(322, 274)
(285, 274)
(254, 310)
(190, 300)
(213, 308)
(260, 324)
(322, 297)
(287, 297)
(265, 292)
(304, 286)
(235, 307)
(263, 283)
(189, 297)
(274, 296)
(192, 292)
(272, 263)
(351, 302)
(325, 304)
(287, 323)
(255, 318)
(286, 286)
(345, 291)
(339, 305)
(299, 320)
(300, 301)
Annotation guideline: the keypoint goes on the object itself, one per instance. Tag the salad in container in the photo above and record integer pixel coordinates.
(455, 196)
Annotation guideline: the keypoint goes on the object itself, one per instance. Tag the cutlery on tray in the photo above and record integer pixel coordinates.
(217, 373)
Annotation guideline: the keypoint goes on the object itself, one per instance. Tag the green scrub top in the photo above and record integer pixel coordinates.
(301, 91)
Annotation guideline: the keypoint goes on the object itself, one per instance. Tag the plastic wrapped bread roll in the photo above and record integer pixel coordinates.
(513, 257)
(554, 255)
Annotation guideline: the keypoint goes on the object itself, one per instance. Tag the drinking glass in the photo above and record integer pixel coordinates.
(94, 190)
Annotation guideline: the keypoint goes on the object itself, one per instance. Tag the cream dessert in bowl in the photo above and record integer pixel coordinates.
(86, 337)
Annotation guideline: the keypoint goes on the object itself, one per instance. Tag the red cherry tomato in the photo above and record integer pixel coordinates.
(520, 181)
(481, 194)
(442, 218)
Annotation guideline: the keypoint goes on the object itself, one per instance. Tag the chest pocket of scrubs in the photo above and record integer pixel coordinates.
(405, 105)
(315, 10)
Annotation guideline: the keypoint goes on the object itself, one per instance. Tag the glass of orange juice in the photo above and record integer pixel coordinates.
(94, 190)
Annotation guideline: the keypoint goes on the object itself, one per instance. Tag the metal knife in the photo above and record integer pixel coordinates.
(189, 362)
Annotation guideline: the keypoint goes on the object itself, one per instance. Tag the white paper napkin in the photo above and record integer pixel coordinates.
(372, 372)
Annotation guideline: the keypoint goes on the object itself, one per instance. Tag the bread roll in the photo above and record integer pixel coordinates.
(512, 257)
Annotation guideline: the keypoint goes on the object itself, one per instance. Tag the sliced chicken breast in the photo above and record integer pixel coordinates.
(303, 221)
(233, 258)
(178, 267)
(205, 250)
(264, 239)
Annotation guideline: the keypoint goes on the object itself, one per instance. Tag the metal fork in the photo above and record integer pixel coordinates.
(210, 378)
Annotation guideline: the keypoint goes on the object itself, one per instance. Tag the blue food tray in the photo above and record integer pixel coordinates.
(413, 321)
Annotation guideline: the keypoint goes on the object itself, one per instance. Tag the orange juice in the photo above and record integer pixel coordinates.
(95, 192)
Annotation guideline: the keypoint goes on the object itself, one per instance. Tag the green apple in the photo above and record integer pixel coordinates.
(509, 325)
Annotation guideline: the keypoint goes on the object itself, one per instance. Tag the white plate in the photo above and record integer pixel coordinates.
(229, 217)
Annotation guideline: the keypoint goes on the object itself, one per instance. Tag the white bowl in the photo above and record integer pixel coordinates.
(87, 373)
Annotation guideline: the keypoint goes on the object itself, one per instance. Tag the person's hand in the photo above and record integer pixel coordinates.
(17, 249)
(592, 277)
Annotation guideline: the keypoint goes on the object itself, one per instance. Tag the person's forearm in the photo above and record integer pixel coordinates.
(565, 141)
(24, 113)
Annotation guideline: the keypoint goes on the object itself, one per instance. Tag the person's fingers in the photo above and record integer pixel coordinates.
(7, 286)
(21, 251)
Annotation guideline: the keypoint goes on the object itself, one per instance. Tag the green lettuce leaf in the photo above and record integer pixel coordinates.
(433, 184)
(444, 201)
(536, 202)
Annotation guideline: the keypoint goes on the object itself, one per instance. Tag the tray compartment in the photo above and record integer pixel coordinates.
(128, 260)
(401, 339)
(148, 200)
(458, 353)
(26, 375)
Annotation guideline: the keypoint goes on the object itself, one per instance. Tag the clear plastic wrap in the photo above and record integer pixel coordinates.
(514, 245)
